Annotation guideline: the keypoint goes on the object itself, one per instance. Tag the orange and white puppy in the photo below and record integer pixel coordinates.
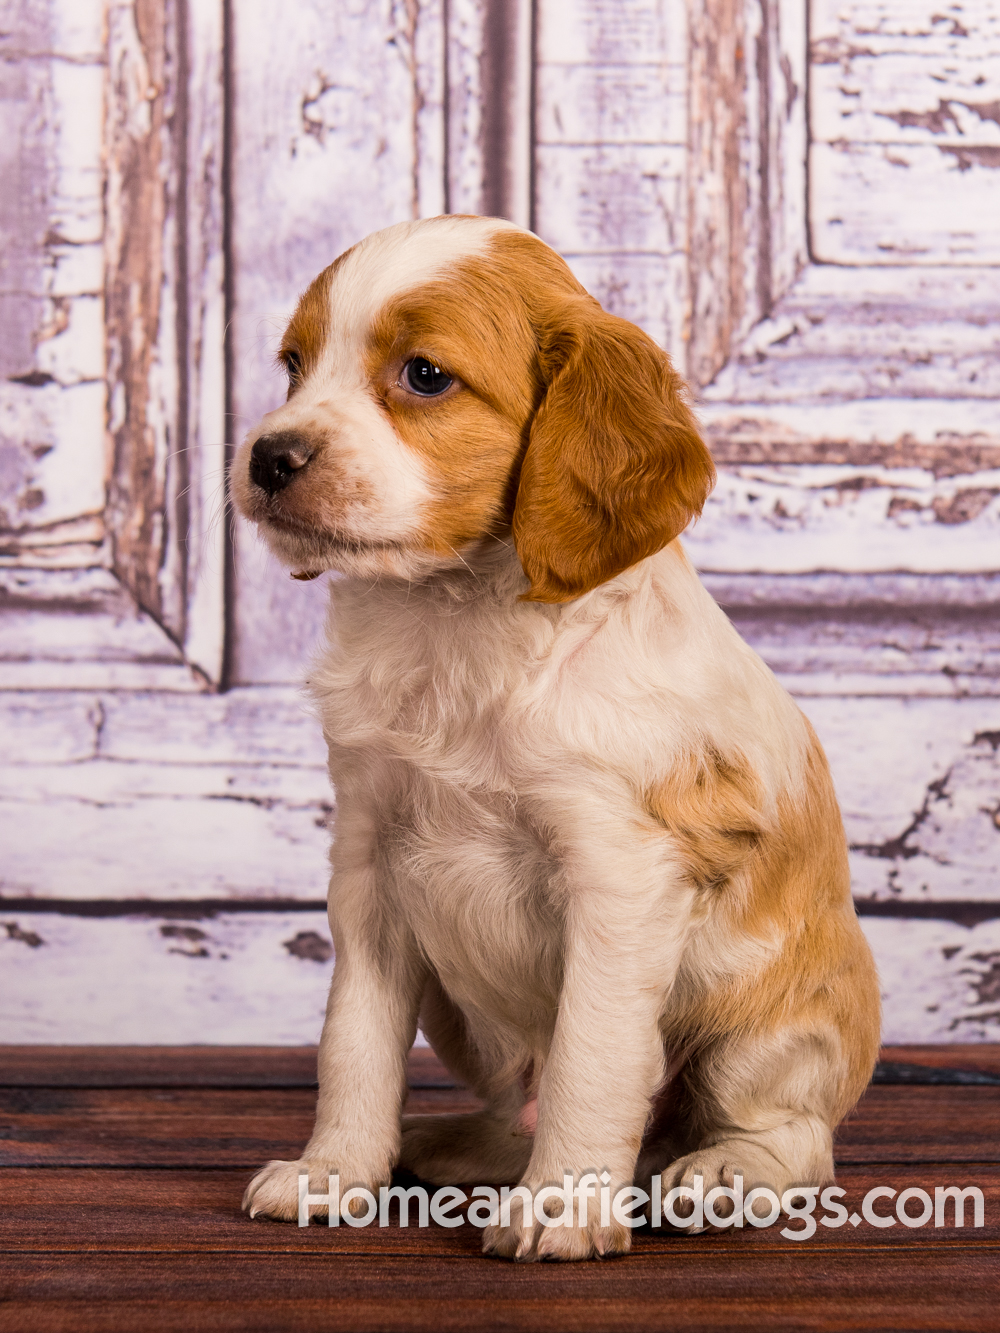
(583, 837)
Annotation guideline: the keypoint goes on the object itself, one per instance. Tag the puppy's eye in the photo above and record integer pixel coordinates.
(424, 377)
(293, 366)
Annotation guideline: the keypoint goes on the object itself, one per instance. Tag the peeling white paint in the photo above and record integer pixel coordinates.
(940, 982)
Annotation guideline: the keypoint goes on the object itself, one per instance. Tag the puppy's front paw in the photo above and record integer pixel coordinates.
(527, 1240)
(274, 1190)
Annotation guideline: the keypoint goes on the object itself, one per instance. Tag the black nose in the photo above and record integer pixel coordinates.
(275, 459)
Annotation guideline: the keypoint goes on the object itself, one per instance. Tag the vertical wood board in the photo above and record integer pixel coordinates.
(323, 147)
(52, 456)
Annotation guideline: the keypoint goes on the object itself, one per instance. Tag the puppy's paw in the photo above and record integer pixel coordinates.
(719, 1165)
(527, 1240)
(274, 1190)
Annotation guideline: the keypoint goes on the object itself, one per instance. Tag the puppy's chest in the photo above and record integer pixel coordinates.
(475, 877)
(466, 839)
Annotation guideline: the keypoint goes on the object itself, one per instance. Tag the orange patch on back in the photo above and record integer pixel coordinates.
(780, 879)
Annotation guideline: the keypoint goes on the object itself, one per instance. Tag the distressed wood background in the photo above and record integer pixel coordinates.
(797, 199)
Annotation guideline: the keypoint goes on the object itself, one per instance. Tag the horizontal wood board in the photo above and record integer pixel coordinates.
(264, 976)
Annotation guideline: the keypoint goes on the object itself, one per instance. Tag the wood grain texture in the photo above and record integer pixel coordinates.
(50, 1066)
(295, 1066)
(173, 1210)
(904, 105)
(153, 1128)
(98, 1248)
(947, 1290)
(52, 395)
(209, 1127)
(610, 155)
(325, 128)
(244, 1066)
(176, 974)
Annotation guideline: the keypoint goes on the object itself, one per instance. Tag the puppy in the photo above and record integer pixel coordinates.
(583, 837)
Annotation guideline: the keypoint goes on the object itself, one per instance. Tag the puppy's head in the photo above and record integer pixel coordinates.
(449, 382)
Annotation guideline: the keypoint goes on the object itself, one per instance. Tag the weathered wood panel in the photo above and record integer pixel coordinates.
(904, 108)
(150, 981)
(167, 833)
(891, 332)
(610, 156)
(649, 290)
(153, 796)
(919, 785)
(618, 199)
(607, 32)
(905, 72)
(248, 726)
(951, 194)
(489, 79)
(193, 580)
(109, 785)
(876, 647)
(793, 519)
(914, 775)
(140, 330)
(80, 629)
(324, 124)
(940, 981)
(719, 189)
(52, 501)
(782, 85)
(610, 103)
(52, 400)
(261, 978)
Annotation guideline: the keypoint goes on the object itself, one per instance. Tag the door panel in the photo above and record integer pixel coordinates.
(904, 105)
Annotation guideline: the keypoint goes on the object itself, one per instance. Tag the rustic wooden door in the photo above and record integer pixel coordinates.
(795, 197)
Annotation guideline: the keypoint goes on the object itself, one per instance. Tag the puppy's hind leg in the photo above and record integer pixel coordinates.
(764, 1106)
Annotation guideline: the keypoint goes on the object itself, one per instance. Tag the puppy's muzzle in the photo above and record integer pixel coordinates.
(275, 459)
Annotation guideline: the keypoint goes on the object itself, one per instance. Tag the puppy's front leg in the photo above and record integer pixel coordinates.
(622, 947)
(371, 1020)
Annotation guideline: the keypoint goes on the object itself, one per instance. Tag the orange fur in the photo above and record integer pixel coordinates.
(309, 327)
(782, 880)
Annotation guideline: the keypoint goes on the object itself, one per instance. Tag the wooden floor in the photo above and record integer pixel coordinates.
(122, 1171)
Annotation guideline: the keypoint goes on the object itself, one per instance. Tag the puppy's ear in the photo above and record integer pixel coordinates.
(615, 467)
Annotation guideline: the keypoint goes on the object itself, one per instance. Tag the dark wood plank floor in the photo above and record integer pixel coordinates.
(121, 1172)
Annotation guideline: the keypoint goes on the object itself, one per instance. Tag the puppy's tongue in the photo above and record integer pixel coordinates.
(306, 574)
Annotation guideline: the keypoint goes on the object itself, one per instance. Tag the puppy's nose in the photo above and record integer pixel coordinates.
(275, 459)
